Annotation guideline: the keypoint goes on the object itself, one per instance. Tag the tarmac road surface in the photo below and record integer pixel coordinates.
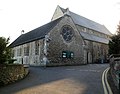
(85, 79)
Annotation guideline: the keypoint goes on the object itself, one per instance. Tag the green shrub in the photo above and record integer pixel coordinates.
(11, 61)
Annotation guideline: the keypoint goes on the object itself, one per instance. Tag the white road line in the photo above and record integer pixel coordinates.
(90, 70)
(70, 69)
(104, 87)
(83, 70)
(109, 89)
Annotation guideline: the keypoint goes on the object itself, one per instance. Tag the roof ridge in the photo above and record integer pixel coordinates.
(63, 10)
(80, 15)
(35, 34)
(44, 24)
(88, 23)
(87, 18)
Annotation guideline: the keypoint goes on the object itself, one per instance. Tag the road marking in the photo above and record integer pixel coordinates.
(90, 70)
(104, 80)
(83, 70)
(104, 87)
(70, 69)
(109, 89)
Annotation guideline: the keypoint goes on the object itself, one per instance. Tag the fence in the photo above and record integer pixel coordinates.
(115, 69)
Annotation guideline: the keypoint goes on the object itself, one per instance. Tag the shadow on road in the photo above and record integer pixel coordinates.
(58, 80)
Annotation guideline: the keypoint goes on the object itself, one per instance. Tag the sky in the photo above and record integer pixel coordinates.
(18, 15)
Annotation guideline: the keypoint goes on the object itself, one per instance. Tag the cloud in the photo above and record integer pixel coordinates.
(118, 3)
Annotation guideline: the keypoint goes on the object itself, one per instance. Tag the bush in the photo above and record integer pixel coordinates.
(5, 51)
(11, 61)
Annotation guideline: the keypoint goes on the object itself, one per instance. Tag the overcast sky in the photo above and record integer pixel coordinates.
(18, 15)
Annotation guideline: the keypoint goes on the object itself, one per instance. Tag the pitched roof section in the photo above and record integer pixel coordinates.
(94, 38)
(80, 20)
(35, 34)
(89, 23)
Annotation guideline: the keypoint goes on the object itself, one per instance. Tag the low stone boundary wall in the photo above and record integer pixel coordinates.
(11, 73)
(115, 69)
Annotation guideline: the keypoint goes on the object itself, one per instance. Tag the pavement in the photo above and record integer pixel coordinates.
(85, 79)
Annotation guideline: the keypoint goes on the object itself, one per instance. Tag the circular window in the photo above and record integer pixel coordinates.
(67, 32)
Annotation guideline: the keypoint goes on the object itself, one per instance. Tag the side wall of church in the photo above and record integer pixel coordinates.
(100, 52)
(58, 44)
(96, 51)
(29, 53)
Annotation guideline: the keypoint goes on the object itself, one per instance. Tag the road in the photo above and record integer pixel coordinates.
(85, 79)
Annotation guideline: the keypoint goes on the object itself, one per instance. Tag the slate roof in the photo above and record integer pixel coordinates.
(82, 21)
(94, 38)
(40, 32)
(35, 34)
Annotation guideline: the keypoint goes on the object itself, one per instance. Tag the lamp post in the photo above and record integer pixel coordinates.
(22, 32)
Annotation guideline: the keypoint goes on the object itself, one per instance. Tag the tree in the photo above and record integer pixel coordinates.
(5, 51)
(118, 29)
(114, 44)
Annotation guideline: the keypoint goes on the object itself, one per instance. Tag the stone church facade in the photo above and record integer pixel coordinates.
(68, 39)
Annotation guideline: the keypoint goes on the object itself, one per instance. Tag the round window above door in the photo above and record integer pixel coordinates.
(67, 33)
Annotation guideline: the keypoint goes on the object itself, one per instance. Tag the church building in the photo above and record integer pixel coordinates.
(67, 39)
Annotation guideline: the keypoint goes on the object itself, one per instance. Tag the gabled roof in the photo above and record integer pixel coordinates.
(82, 21)
(35, 34)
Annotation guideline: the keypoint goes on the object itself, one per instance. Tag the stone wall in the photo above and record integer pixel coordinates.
(115, 69)
(12, 73)
(58, 44)
(95, 50)
(100, 51)
(32, 58)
